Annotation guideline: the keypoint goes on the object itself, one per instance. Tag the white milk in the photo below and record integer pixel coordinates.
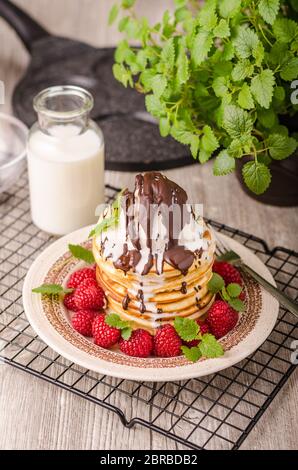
(66, 177)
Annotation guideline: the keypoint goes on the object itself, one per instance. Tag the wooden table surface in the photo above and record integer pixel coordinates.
(37, 415)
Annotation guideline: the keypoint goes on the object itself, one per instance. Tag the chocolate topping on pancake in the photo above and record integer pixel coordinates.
(152, 191)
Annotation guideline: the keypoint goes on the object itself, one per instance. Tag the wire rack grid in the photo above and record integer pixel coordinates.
(213, 412)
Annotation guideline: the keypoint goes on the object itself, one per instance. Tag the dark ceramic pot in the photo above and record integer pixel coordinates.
(283, 190)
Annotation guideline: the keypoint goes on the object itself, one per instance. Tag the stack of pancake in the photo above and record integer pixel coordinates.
(148, 283)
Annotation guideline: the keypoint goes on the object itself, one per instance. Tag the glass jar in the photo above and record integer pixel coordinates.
(65, 154)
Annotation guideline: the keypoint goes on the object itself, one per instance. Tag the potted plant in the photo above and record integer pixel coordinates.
(218, 78)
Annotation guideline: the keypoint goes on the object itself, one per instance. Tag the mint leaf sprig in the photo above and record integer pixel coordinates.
(229, 293)
(115, 321)
(216, 75)
(79, 252)
(51, 289)
(208, 346)
(108, 222)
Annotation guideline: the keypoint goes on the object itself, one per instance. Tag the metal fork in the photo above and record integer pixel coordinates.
(225, 253)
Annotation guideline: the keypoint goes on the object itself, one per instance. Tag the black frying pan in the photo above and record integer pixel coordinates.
(133, 141)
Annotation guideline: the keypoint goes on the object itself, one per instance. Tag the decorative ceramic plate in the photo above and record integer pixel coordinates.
(51, 321)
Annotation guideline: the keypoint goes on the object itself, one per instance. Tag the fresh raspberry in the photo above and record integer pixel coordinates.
(140, 344)
(82, 321)
(88, 295)
(222, 318)
(69, 302)
(166, 342)
(228, 272)
(79, 276)
(204, 328)
(103, 334)
(242, 295)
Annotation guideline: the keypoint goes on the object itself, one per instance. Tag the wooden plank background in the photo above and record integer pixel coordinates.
(36, 415)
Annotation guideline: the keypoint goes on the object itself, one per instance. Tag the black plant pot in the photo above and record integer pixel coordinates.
(283, 190)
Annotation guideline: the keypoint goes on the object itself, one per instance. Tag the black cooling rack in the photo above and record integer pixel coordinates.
(213, 412)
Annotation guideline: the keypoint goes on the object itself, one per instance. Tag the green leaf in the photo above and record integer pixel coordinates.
(223, 68)
(187, 329)
(210, 347)
(182, 74)
(122, 74)
(242, 70)
(126, 333)
(259, 53)
(114, 320)
(128, 3)
(51, 289)
(202, 44)
(158, 84)
(206, 16)
(228, 52)
(154, 105)
(82, 253)
(122, 51)
(285, 30)
(245, 42)
(179, 3)
(279, 93)
(181, 134)
(164, 126)
(245, 99)
(204, 156)
(222, 30)
(146, 78)
(194, 145)
(216, 283)
(267, 117)
(168, 54)
(209, 142)
(225, 294)
(224, 164)
(281, 146)
(289, 71)
(257, 176)
(113, 14)
(123, 23)
(103, 225)
(279, 54)
(234, 289)
(268, 10)
(229, 8)
(262, 87)
(237, 304)
(237, 122)
(220, 86)
(192, 354)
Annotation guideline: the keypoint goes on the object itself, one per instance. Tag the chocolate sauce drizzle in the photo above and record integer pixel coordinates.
(125, 302)
(140, 297)
(184, 288)
(153, 188)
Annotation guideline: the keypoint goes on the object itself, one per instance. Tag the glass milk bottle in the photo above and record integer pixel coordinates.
(65, 161)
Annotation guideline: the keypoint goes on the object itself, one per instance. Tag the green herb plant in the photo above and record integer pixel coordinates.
(217, 77)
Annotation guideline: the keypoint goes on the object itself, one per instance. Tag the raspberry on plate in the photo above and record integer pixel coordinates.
(69, 302)
(79, 276)
(103, 334)
(140, 344)
(89, 295)
(204, 328)
(228, 272)
(166, 342)
(222, 318)
(82, 321)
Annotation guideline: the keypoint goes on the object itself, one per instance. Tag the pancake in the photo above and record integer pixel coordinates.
(147, 283)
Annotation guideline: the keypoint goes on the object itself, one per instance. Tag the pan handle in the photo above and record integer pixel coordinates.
(27, 29)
